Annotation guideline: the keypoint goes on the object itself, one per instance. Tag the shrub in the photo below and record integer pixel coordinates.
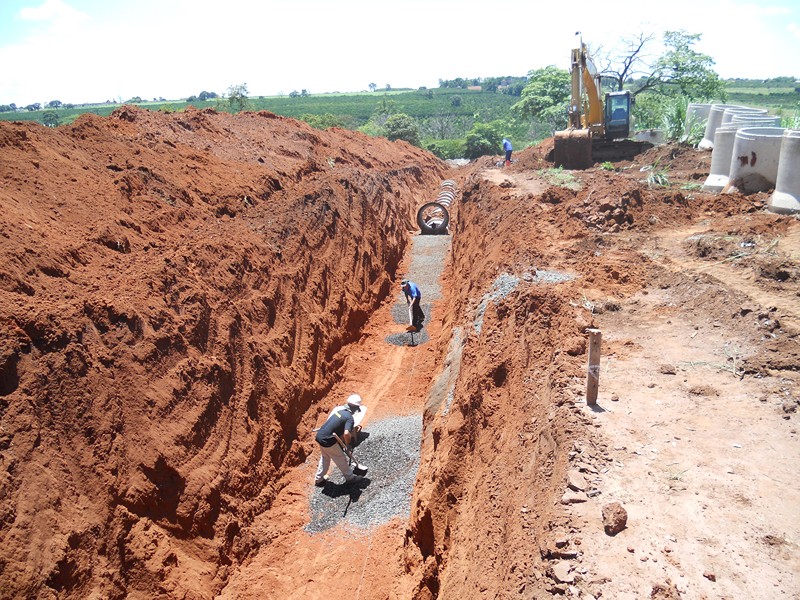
(447, 149)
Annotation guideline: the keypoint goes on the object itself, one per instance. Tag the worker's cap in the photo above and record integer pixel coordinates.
(404, 282)
(354, 400)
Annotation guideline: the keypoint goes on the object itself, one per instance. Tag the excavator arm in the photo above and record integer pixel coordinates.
(596, 128)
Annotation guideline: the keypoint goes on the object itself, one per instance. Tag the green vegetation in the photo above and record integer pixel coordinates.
(657, 176)
(402, 127)
(546, 97)
(456, 120)
(560, 178)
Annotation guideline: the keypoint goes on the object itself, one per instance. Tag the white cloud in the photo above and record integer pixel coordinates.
(175, 48)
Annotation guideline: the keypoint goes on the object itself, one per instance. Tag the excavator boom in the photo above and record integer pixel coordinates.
(597, 129)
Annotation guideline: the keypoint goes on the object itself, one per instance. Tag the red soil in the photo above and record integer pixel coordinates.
(184, 297)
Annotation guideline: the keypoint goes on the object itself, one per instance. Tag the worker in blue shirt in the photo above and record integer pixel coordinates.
(413, 298)
(507, 148)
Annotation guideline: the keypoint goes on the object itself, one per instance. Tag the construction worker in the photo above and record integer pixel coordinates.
(413, 297)
(507, 148)
(340, 422)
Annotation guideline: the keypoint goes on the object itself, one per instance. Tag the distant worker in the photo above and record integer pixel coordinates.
(413, 297)
(341, 423)
(507, 148)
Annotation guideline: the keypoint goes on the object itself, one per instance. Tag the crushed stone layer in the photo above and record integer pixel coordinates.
(428, 254)
(390, 450)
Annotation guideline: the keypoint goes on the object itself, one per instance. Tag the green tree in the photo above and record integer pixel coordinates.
(237, 97)
(372, 87)
(324, 121)
(546, 97)
(485, 139)
(680, 70)
(402, 127)
(54, 104)
(51, 119)
(456, 101)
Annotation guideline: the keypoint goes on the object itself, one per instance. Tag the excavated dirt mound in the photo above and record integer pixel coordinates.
(186, 296)
(177, 290)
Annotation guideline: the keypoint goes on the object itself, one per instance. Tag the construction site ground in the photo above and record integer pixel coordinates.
(185, 297)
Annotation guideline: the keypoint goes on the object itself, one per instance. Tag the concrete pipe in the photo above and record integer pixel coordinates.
(746, 120)
(754, 163)
(696, 116)
(786, 197)
(720, 159)
(714, 121)
(730, 113)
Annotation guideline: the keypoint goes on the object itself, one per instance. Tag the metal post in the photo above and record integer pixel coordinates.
(593, 368)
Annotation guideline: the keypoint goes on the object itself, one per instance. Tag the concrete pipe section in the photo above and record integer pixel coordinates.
(723, 146)
(754, 164)
(786, 197)
(720, 159)
(741, 121)
(714, 121)
(696, 116)
(731, 113)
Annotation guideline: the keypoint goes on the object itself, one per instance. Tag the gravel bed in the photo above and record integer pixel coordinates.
(400, 311)
(542, 276)
(390, 448)
(428, 255)
(408, 339)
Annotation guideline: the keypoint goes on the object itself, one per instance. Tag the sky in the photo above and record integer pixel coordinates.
(80, 51)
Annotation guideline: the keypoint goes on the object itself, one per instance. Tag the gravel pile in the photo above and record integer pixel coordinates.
(408, 339)
(541, 276)
(502, 287)
(506, 283)
(390, 448)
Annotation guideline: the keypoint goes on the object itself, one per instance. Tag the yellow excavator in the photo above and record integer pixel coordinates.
(597, 130)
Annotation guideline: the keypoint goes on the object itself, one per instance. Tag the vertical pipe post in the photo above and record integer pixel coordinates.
(593, 368)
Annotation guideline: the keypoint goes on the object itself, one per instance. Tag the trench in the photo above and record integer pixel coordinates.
(373, 513)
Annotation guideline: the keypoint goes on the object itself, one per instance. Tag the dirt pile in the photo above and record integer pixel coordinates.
(176, 292)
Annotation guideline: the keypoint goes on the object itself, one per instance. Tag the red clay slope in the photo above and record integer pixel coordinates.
(175, 294)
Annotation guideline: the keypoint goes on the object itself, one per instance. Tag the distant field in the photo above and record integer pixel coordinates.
(354, 107)
(429, 106)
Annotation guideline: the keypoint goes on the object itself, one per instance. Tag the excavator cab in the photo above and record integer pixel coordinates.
(618, 115)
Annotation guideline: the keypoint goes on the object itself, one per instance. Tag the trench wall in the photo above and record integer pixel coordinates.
(500, 419)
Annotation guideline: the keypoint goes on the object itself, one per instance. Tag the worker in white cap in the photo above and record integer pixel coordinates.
(341, 422)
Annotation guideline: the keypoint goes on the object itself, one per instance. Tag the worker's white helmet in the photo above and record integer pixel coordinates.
(354, 400)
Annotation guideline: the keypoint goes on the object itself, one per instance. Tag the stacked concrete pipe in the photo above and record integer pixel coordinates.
(433, 217)
(723, 146)
(721, 155)
(786, 197)
(731, 113)
(714, 121)
(747, 120)
(754, 163)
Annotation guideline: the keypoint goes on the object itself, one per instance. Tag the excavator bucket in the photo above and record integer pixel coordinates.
(572, 149)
